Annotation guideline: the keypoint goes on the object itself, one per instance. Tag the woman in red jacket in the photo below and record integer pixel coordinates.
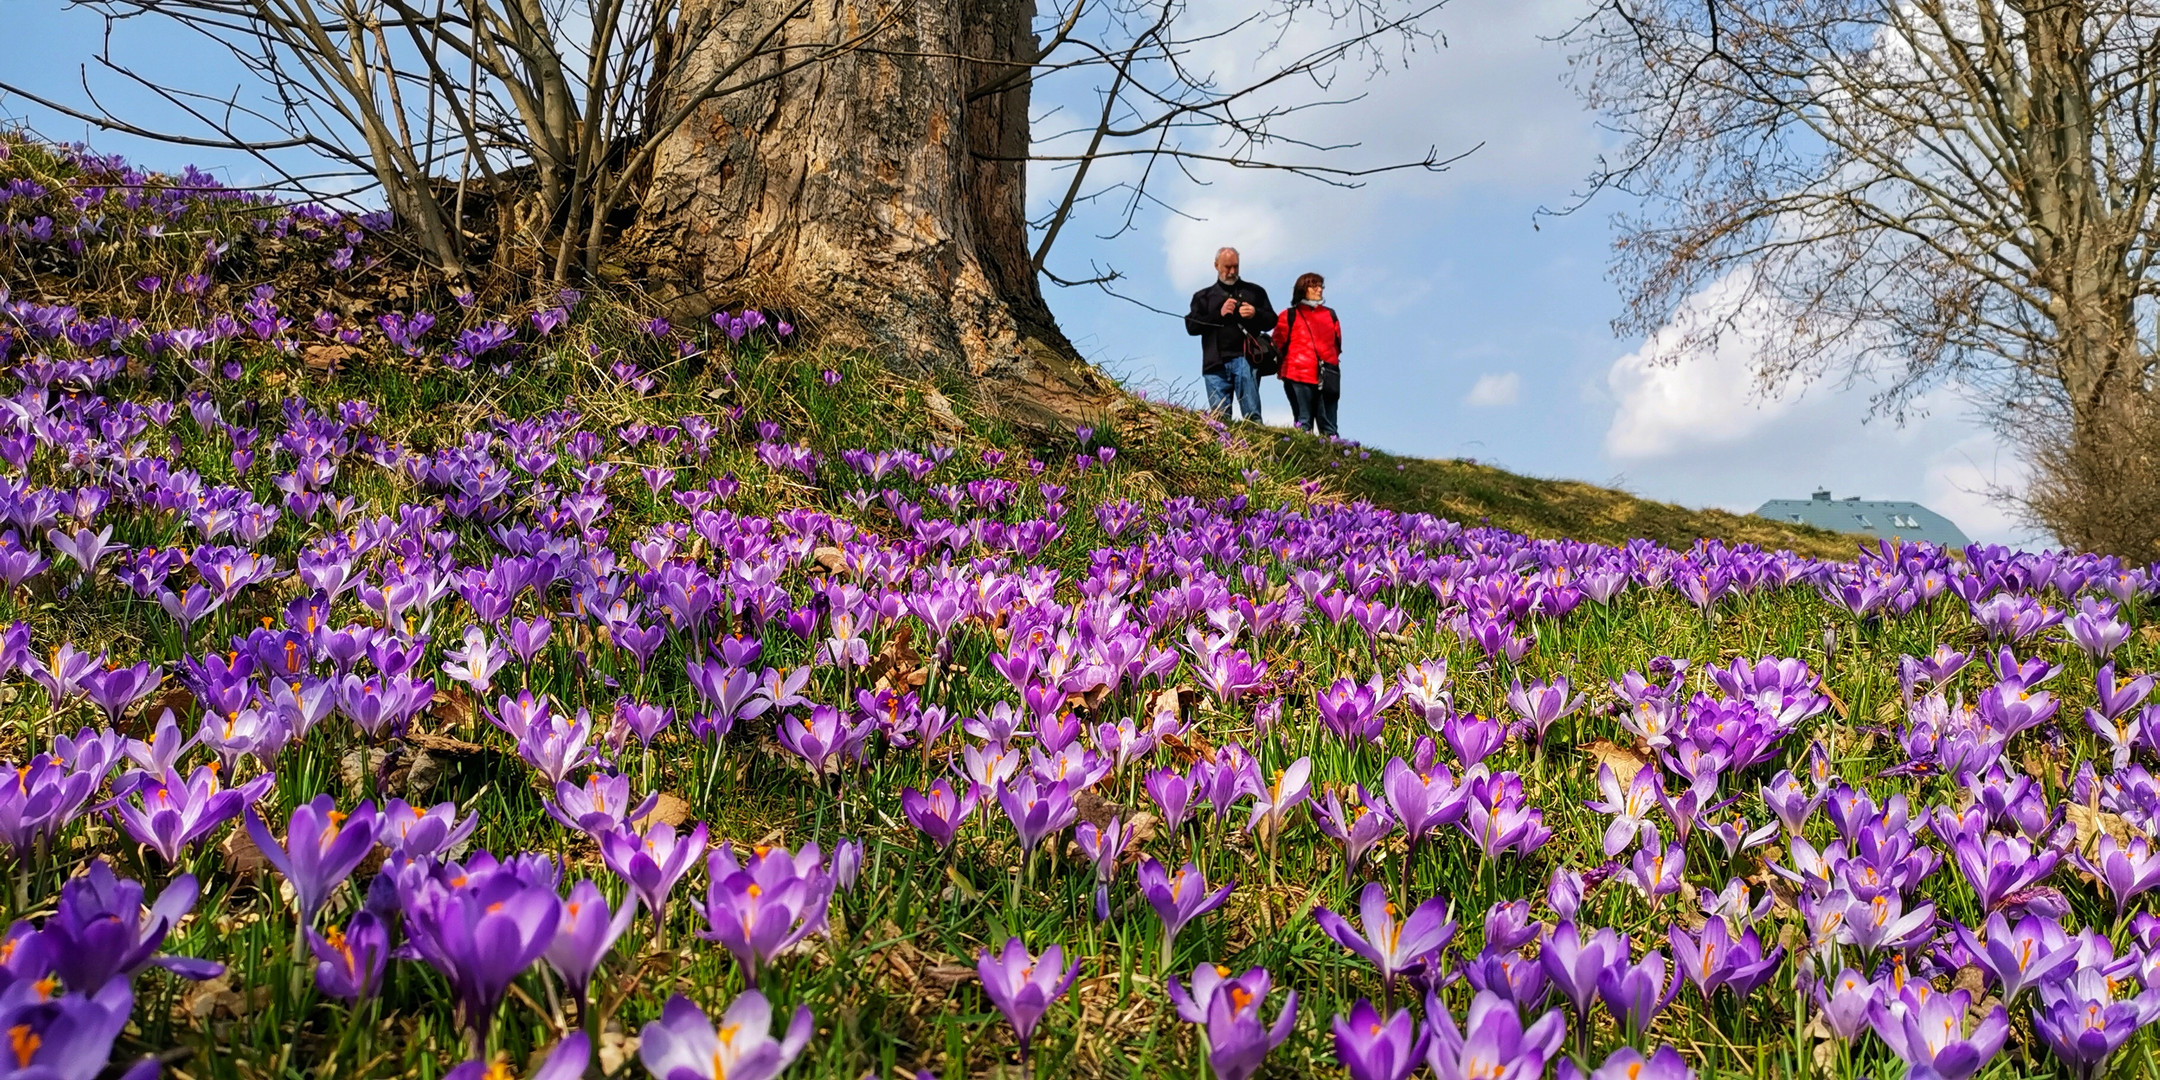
(1311, 340)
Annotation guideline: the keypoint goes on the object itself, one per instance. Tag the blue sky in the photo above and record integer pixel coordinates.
(1473, 328)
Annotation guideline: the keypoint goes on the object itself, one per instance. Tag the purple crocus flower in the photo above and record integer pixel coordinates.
(1576, 966)
(1627, 1063)
(1630, 804)
(1635, 993)
(822, 738)
(567, 1061)
(1352, 710)
(1997, 866)
(1376, 1048)
(480, 936)
(1925, 1028)
(69, 1036)
(585, 934)
(1492, 1043)
(351, 959)
(1789, 800)
(1173, 794)
(102, 930)
(44, 798)
(1103, 848)
(168, 814)
(940, 813)
(2126, 870)
(1715, 958)
(1038, 810)
(1356, 831)
(1564, 893)
(2081, 1020)
(1178, 899)
(1023, 986)
(1394, 946)
(1843, 1003)
(599, 806)
(683, 1044)
(2033, 952)
(1657, 868)
(1541, 704)
(113, 689)
(652, 863)
(757, 909)
(410, 833)
(1472, 737)
(1230, 1008)
(1422, 799)
(323, 846)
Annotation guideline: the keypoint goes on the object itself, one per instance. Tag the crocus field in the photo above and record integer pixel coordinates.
(401, 682)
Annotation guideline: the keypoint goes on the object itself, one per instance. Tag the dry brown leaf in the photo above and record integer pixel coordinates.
(453, 708)
(2091, 822)
(1624, 761)
(444, 744)
(325, 361)
(1836, 702)
(947, 976)
(831, 558)
(669, 809)
(241, 854)
(1094, 809)
(176, 698)
(1186, 749)
(1172, 699)
(1091, 700)
(210, 997)
(897, 666)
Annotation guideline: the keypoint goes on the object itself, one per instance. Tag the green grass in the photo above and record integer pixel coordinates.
(892, 984)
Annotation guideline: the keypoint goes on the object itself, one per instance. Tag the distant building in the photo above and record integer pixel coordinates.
(1908, 520)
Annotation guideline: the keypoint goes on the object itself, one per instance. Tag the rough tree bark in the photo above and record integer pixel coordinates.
(881, 195)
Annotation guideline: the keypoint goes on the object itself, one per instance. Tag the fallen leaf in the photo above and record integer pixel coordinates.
(947, 976)
(616, 1049)
(453, 708)
(210, 997)
(241, 854)
(1172, 699)
(1187, 749)
(897, 666)
(325, 361)
(2091, 822)
(670, 809)
(1624, 761)
(831, 558)
(1094, 809)
(1836, 702)
(444, 744)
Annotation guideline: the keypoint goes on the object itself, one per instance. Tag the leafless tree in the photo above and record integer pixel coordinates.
(865, 160)
(400, 92)
(1930, 192)
(887, 190)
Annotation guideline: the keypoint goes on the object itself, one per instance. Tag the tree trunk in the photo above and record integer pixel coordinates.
(879, 195)
(2095, 486)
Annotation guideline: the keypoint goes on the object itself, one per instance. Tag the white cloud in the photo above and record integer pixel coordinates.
(1252, 226)
(1494, 391)
(1670, 402)
(1959, 482)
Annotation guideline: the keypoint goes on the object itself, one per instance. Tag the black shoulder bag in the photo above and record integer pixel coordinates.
(1264, 353)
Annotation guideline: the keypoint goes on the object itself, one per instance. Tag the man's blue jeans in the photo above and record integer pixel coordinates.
(1236, 377)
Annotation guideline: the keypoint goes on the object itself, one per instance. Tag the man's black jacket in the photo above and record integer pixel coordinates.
(1222, 337)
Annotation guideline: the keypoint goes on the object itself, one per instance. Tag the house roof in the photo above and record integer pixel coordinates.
(1870, 517)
